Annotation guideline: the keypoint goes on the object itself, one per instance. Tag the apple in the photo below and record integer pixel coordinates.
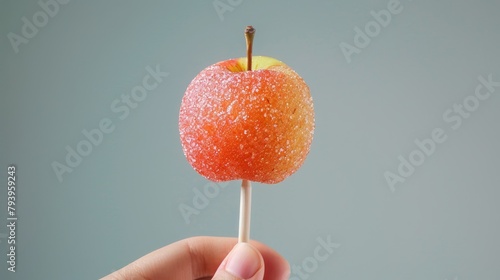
(253, 125)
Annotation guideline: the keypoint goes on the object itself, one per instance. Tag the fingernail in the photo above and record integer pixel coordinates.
(244, 261)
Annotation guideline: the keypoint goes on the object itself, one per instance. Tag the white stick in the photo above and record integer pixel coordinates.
(245, 211)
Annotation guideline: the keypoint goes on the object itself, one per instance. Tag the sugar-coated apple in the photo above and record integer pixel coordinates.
(253, 125)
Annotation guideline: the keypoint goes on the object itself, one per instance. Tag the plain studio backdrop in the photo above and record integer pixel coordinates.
(403, 177)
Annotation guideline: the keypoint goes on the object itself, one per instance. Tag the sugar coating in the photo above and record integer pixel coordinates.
(255, 125)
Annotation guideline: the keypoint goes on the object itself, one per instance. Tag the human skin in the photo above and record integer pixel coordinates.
(198, 258)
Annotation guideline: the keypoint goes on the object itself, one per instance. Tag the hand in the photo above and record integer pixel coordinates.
(202, 258)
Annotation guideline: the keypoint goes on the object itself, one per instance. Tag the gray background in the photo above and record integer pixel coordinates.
(122, 201)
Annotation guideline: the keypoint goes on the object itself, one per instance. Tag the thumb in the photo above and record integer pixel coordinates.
(244, 262)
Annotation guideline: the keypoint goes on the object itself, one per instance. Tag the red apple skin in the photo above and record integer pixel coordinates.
(256, 125)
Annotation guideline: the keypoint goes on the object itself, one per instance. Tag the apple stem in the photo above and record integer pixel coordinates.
(245, 211)
(249, 33)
